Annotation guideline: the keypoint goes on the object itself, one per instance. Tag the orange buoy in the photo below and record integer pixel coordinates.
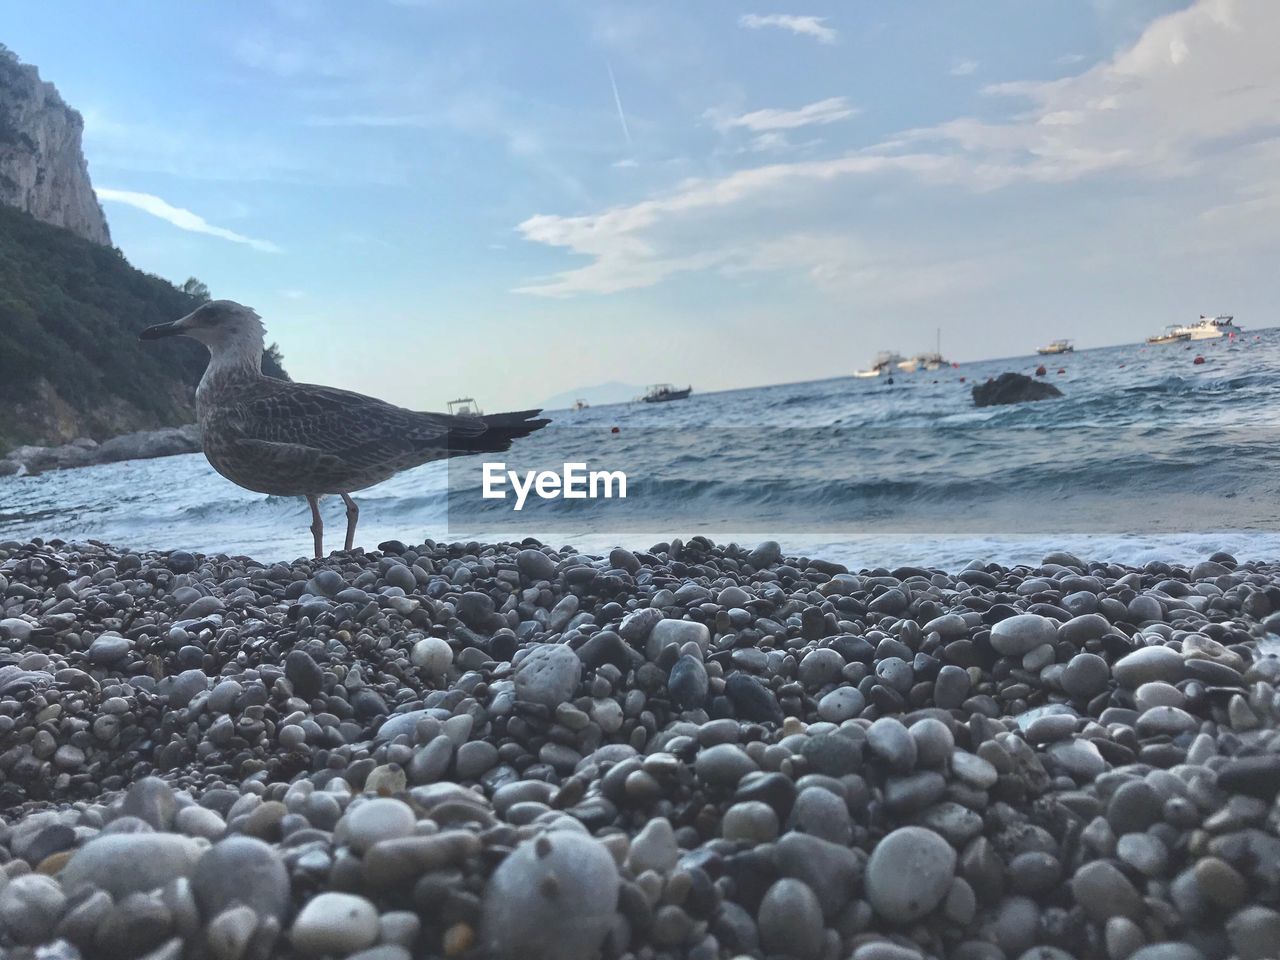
(615, 430)
(1062, 369)
(1041, 371)
(1198, 360)
(963, 379)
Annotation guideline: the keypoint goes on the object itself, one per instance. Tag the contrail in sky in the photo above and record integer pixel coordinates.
(622, 117)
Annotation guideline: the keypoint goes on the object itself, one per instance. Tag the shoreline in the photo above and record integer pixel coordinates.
(84, 452)
(696, 750)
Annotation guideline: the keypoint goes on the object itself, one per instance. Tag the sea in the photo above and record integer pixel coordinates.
(1162, 452)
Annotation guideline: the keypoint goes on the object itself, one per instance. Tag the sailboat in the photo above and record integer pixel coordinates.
(928, 361)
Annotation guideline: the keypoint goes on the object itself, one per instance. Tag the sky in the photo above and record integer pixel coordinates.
(509, 200)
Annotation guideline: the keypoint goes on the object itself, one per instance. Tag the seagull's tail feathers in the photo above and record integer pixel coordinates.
(501, 430)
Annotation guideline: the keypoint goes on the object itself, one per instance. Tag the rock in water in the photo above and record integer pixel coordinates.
(553, 898)
(1012, 388)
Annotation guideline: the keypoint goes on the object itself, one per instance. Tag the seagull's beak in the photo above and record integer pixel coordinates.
(160, 330)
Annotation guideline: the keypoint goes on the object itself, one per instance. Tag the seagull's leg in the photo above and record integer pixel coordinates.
(317, 525)
(353, 514)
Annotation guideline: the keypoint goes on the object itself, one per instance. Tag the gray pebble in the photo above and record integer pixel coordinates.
(791, 921)
(909, 873)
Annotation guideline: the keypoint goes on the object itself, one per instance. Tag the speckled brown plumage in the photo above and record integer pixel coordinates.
(299, 439)
(294, 439)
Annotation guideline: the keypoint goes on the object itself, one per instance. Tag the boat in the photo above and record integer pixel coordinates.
(928, 361)
(1211, 328)
(924, 361)
(885, 361)
(579, 405)
(1171, 334)
(1057, 346)
(465, 407)
(664, 393)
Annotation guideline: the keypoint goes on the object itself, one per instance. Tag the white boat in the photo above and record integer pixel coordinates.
(1210, 328)
(1171, 334)
(465, 407)
(931, 361)
(923, 361)
(883, 363)
(1057, 346)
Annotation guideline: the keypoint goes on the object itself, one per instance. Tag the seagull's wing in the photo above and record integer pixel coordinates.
(358, 430)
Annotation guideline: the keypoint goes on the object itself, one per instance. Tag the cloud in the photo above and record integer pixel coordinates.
(180, 218)
(1184, 111)
(804, 26)
(826, 111)
(626, 245)
(964, 68)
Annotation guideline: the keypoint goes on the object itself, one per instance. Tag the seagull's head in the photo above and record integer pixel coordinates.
(223, 326)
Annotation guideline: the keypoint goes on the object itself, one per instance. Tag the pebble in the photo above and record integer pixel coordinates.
(515, 750)
(909, 873)
(892, 743)
(371, 821)
(841, 704)
(654, 847)
(1254, 932)
(724, 765)
(553, 898)
(433, 656)
(750, 822)
(241, 870)
(548, 675)
(791, 921)
(1103, 892)
(1021, 634)
(1148, 665)
(334, 924)
(1085, 676)
(678, 632)
(30, 906)
(154, 859)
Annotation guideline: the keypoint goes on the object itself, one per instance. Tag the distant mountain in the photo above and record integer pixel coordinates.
(42, 167)
(605, 393)
(70, 361)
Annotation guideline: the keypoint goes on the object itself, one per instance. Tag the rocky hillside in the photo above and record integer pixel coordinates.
(70, 361)
(42, 168)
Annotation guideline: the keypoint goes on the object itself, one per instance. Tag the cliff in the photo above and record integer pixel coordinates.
(42, 169)
(71, 365)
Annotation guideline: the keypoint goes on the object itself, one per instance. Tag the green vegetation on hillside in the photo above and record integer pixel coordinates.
(70, 313)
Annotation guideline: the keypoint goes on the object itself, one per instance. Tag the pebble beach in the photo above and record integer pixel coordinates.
(700, 750)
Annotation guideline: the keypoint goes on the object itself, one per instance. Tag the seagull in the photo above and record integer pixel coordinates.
(302, 440)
